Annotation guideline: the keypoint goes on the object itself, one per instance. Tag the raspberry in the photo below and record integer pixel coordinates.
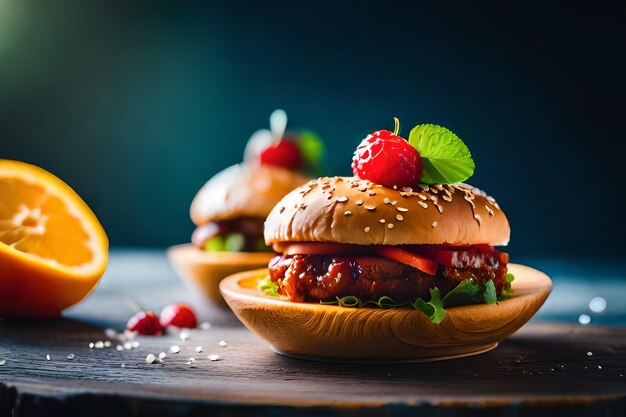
(284, 153)
(145, 323)
(178, 315)
(387, 159)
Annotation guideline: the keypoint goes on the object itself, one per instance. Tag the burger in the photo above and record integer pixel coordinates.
(230, 209)
(405, 231)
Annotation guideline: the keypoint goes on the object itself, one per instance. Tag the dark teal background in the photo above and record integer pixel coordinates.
(136, 104)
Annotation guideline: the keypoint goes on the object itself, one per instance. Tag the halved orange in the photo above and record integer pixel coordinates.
(53, 249)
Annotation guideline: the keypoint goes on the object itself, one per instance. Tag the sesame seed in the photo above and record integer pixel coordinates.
(421, 203)
(589, 353)
(91, 345)
(342, 199)
(390, 226)
(347, 213)
(399, 217)
(214, 358)
(302, 275)
(371, 193)
(71, 356)
(150, 359)
(99, 344)
(135, 344)
(107, 343)
(447, 198)
(395, 187)
(402, 209)
(370, 208)
(359, 202)
(119, 348)
(423, 197)
(128, 345)
(205, 326)
(386, 200)
(434, 190)
(2, 362)
(439, 208)
(394, 202)
(175, 349)
(366, 230)
(434, 224)
(477, 217)
(111, 333)
(184, 334)
(407, 189)
(423, 186)
(198, 349)
(223, 343)
(489, 210)
(382, 220)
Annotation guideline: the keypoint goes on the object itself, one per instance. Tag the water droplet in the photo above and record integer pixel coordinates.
(597, 304)
(584, 319)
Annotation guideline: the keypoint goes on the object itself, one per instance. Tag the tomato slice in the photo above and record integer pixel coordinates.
(408, 258)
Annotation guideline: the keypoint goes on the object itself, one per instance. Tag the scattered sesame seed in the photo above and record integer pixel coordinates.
(477, 217)
(347, 213)
(371, 193)
(48, 357)
(123, 365)
(174, 349)
(433, 190)
(382, 220)
(191, 360)
(386, 200)
(394, 202)
(3, 362)
(198, 349)
(223, 343)
(589, 353)
(302, 275)
(107, 343)
(162, 355)
(489, 210)
(110, 333)
(395, 187)
(370, 208)
(399, 217)
(367, 229)
(205, 326)
(359, 202)
(71, 356)
(434, 224)
(150, 359)
(99, 344)
(423, 197)
(134, 344)
(402, 209)
(91, 345)
(447, 198)
(342, 199)
(390, 226)
(599, 367)
(184, 335)
(439, 208)
(119, 348)
(421, 203)
(214, 358)
(128, 345)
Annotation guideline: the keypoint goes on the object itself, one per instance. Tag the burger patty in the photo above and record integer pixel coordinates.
(322, 277)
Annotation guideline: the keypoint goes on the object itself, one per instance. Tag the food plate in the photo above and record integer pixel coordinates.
(333, 333)
(204, 270)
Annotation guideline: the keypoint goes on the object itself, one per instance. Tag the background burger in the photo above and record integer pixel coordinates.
(385, 238)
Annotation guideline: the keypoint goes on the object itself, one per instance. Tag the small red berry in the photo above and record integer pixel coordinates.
(178, 315)
(387, 159)
(145, 323)
(284, 153)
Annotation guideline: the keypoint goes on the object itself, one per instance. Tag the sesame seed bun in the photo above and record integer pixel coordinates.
(243, 190)
(354, 211)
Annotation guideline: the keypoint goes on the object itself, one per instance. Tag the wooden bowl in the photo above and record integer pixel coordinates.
(333, 333)
(204, 270)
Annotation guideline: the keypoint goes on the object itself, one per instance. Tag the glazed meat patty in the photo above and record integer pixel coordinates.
(322, 277)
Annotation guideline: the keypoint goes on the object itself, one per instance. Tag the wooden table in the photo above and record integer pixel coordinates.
(544, 369)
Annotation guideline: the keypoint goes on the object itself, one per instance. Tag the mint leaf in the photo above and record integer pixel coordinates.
(268, 286)
(445, 158)
(434, 308)
(466, 287)
(312, 150)
(489, 294)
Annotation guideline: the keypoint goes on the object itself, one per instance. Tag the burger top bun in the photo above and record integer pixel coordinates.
(354, 211)
(243, 190)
